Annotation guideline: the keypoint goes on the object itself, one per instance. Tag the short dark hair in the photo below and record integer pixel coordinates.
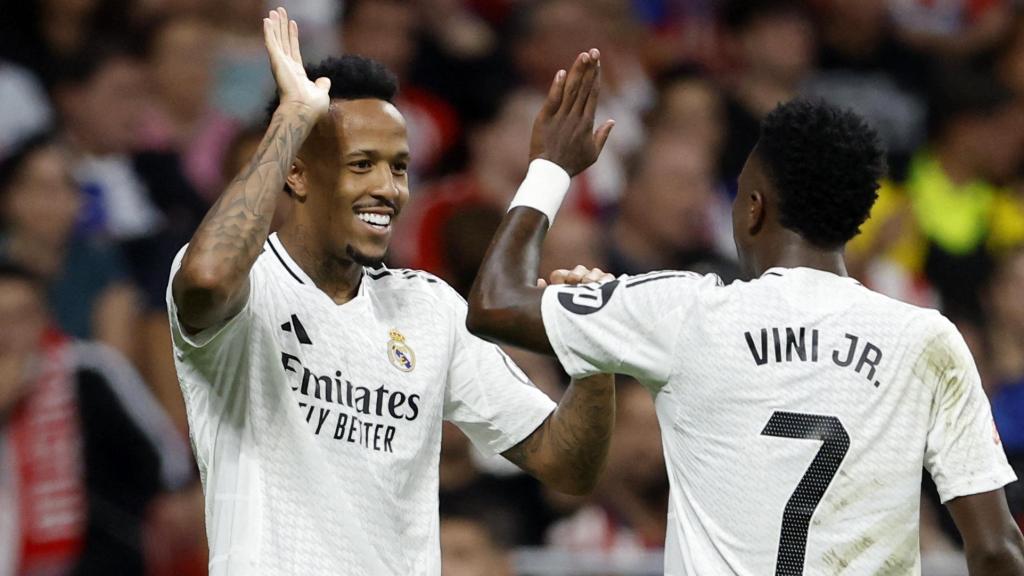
(825, 163)
(352, 77)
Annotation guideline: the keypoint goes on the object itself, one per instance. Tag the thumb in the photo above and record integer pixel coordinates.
(602, 134)
(541, 283)
(323, 83)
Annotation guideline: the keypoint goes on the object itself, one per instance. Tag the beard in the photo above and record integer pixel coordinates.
(364, 260)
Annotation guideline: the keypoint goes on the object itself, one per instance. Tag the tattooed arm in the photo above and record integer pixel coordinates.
(568, 451)
(212, 283)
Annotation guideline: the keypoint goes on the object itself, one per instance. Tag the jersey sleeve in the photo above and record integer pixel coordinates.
(486, 395)
(963, 454)
(212, 356)
(625, 326)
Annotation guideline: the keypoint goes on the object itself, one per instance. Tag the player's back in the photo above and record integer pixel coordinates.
(797, 419)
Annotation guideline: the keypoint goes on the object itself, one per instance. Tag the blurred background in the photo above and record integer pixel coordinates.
(122, 120)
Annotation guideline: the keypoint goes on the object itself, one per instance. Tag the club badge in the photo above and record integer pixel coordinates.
(399, 353)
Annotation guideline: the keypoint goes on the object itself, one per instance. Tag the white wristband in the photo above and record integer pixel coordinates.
(543, 189)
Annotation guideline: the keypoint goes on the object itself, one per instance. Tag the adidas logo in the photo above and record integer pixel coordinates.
(298, 328)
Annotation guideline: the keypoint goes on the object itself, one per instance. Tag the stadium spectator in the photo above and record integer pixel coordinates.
(513, 507)
(771, 45)
(953, 28)
(1006, 341)
(84, 449)
(628, 512)
(862, 66)
(242, 81)
(87, 284)
(691, 104)
(182, 118)
(544, 34)
(387, 31)
(471, 203)
(956, 191)
(469, 549)
(140, 200)
(671, 217)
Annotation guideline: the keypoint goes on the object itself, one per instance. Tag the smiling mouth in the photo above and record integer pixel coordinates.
(380, 222)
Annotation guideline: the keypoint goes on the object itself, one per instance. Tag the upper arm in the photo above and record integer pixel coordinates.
(196, 327)
(988, 529)
(202, 300)
(963, 452)
(627, 326)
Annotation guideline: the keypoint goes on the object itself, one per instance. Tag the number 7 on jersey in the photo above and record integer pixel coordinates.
(801, 505)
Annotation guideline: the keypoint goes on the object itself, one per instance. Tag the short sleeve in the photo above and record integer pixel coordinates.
(227, 334)
(625, 326)
(964, 454)
(486, 395)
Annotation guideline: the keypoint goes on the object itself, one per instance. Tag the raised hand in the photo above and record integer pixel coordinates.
(293, 86)
(563, 131)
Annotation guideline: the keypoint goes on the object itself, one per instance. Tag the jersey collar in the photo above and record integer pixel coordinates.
(279, 253)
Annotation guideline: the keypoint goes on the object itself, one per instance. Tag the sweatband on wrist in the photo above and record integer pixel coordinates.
(543, 189)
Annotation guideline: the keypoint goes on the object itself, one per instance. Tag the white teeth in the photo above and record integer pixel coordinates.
(375, 219)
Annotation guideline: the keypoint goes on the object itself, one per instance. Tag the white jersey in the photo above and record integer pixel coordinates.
(317, 426)
(797, 412)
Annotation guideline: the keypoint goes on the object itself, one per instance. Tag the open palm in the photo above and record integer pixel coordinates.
(282, 39)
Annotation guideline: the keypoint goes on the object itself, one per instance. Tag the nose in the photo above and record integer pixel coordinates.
(387, 185)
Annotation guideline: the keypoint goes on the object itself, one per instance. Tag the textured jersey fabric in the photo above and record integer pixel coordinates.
(317, 426)
(797, 413)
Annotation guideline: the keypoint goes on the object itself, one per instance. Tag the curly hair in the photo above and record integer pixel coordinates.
(352, 77)
(825, 163)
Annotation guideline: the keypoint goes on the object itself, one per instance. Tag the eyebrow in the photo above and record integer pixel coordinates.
(375, 153)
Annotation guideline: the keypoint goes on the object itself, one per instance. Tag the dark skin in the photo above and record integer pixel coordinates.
(342, 159)
(505, 306)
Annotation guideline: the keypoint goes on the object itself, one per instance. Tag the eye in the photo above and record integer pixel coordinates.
(363, 165)
(400, 167)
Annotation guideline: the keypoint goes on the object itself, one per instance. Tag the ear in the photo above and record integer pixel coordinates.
(756, 212)
(296, 179)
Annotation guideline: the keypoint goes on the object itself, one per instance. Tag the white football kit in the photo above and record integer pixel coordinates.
(797, 412)
(317, 426)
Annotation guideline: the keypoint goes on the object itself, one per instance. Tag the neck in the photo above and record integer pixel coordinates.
(792, 251)
(337, 277)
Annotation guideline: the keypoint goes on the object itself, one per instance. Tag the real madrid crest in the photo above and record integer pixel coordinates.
(399, 353)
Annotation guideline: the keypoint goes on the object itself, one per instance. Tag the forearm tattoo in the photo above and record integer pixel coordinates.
(571, 445)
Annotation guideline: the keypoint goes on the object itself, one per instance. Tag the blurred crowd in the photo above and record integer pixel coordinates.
(122, 120)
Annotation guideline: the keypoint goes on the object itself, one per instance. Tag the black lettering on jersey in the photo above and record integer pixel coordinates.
(300, 330)
(759, 358)
(849, 353)
(413, 403)
(394, 403)
(867, 355)
(795, 344)
(792, 340)
(585, 299)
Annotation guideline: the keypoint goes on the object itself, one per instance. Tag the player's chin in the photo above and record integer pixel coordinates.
(368, 253)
